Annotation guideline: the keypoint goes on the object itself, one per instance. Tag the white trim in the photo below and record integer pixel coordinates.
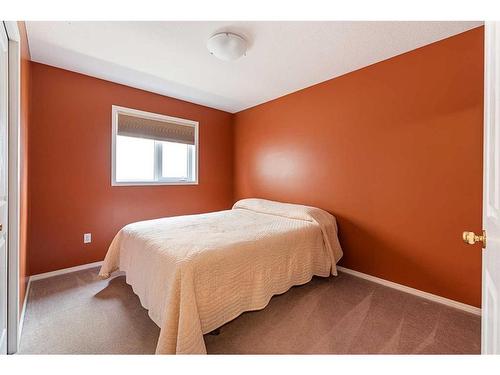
(416, 292)
(23, 312)
(12, 31)
(5, 329)
(63, 271)
(147, 183)
(115, 110)
(14, 178)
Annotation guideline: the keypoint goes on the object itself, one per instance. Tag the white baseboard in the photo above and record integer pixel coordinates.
(416, 292)
(64, 270)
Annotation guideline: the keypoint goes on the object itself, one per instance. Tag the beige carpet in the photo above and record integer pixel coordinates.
(77, 313)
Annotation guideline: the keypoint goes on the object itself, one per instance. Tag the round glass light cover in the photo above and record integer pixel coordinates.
(227, 46)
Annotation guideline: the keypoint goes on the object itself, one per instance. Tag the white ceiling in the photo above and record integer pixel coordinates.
(171, 58)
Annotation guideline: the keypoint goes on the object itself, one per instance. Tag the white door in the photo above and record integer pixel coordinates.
(3, 186)
(490, 341)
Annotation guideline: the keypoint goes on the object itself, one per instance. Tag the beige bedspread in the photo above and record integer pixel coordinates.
(195, 273)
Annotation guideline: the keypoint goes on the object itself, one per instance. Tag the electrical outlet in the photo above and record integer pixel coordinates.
(87, 237)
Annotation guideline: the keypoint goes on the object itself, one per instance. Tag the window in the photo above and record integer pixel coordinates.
(153, 149)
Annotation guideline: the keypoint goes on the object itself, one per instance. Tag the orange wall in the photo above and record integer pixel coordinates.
(394, 151)
(23, 218)
(70, 188)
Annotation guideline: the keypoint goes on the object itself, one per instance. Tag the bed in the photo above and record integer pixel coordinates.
(195, 273)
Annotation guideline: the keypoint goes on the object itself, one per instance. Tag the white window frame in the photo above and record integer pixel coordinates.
(115, 111)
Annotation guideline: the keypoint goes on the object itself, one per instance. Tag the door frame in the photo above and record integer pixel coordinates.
(14, 175)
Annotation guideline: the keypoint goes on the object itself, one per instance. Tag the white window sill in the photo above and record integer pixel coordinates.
(150, 183)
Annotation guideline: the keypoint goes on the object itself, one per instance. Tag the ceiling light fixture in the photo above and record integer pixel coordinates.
(227, 46)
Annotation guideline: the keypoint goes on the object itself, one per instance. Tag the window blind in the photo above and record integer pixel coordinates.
(132, 126)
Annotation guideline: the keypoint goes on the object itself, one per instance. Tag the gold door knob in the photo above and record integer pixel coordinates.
(471, 238)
